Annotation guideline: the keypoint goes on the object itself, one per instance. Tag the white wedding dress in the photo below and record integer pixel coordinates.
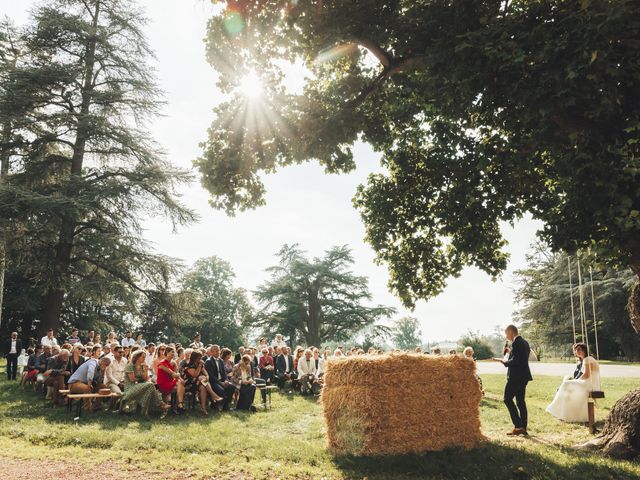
(570, 402)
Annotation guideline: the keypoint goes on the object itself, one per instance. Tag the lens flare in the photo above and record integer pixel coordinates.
(233, 22)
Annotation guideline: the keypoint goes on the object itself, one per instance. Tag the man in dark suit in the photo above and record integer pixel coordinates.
(518, 376)
(11, 349)
(284, 366)
(218, 377)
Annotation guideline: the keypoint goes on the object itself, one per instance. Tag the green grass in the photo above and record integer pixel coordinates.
(288, 442)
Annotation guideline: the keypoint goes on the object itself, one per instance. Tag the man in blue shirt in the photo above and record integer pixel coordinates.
(88, 378)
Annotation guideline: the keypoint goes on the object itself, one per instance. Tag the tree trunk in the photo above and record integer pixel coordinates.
(634, 307)
(55, 294)
(620, 437)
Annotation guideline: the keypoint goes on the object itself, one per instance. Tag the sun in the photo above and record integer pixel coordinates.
(250, 86)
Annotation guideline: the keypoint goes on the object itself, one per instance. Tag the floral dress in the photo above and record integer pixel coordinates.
(142, 393)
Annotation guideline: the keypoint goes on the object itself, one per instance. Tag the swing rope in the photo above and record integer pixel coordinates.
(573, 311)
(583, 313)
(593, 306)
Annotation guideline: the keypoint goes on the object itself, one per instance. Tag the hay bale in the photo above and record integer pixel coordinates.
(397, 404)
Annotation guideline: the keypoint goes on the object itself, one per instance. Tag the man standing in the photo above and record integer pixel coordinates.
(49, 340)
(73, 338)
(128, 340)
(12, 349)
(218, 377)
(197, 342)
(518, 375)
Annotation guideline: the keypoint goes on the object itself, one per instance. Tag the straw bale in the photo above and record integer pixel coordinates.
(397, 404)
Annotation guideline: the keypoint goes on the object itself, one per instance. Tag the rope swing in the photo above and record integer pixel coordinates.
(584, 325)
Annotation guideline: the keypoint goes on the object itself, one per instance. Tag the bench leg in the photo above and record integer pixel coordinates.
(592, 416)
(79, 408)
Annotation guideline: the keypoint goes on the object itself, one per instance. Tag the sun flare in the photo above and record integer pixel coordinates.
(251, 86)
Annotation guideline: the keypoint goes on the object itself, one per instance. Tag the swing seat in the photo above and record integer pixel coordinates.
(591, 408)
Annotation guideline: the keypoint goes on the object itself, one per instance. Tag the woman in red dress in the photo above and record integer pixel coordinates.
(169, 380)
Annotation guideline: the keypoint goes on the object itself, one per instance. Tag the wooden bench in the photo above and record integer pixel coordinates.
(591, 408)
(80, 397)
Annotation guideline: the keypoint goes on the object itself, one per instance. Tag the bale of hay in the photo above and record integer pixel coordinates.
(398, 404)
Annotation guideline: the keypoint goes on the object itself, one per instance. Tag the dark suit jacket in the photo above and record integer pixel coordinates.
(213, 366)
(518, 363)
(6, 347)
(281, 366)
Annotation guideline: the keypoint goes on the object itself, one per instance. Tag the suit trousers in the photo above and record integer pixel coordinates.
(224, 392)
(245, 400)
(12, 366)
(517, 410)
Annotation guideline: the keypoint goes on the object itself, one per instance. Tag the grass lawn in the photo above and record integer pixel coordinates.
(288, 442)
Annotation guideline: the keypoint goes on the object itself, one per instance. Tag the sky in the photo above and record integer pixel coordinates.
(304, 205)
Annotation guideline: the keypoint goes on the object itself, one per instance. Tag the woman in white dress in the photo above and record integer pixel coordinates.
(570, 402)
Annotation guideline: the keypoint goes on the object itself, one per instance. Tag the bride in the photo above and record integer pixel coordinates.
(570, 402)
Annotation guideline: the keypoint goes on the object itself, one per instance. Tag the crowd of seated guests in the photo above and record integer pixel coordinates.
(161, 377)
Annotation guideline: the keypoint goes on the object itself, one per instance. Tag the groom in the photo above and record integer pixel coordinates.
(518, 375)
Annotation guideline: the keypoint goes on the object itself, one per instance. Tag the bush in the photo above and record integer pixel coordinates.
(481, 348)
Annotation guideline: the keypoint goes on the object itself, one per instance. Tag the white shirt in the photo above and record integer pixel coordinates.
(114, 374)
(128, 342)
(48, 342)
(13, 346)
(286, 363)
(279, 343)
(197, 345)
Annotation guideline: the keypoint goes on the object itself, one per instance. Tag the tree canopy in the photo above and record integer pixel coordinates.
(483, 110)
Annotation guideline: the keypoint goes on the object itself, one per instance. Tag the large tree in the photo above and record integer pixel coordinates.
(545, 291)
(223, 308)
(84, 169)
(406, 333)
(317, 300)
(482, 110)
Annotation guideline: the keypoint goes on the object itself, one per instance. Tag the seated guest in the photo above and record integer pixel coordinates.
(41, 362)
(284, 366)
(31, 370)
(243, 377)
(96, 351)
(114, 375)
(76, 359)
(159, 356)
(27, 367)
(571, 400)
(337, 353)
(197, 381)
(169, 379)
(307, 373)
(218, 377)
(138, 389)
(225, 355)
(239, 355)
(319, 362)
(57, 373)
(299, 353)
(140, 341)
(88, 378)
(151, 349)
(179, 355)
(266, 366)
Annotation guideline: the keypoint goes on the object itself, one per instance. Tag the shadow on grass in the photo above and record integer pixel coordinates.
(492, 461)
